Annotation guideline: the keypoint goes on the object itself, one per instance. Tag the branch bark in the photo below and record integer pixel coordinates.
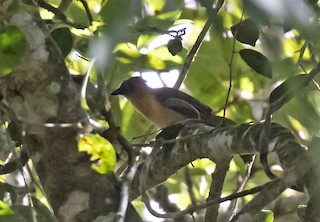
(219, 144)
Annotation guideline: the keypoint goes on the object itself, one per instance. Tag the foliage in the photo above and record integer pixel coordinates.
(99, 149)
(12, 46)
(142, 37)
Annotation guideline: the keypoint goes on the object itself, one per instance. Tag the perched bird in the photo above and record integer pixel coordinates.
(167, 106)
(163, 106)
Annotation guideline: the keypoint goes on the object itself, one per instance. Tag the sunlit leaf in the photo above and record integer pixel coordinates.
(197, 171)
(64, 40)
(151, 27)
(157, 59)
(161, 21)
(100, 150)
(257, 62)
(5, 209)
(77, 13)
(156, 5)
(12, 47)
(246, 32)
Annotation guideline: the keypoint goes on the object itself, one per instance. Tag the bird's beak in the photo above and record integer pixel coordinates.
(116, 92)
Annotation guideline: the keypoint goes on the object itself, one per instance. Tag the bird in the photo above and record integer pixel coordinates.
(163, 106)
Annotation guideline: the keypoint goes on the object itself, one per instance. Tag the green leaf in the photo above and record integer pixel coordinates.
(43, 212)
(5, 209)
(157, 59)
(118, 15)
(156, 6)
(15, 133)
(286, 91)
(161, 21)
(99, 149)
(150, 26)
(64, 40)
(246, 32)
(12, 47)
(257, 62)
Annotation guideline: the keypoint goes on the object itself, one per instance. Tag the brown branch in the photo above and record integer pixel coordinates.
(192, 209)
(219, 144)
(230, 71)
(131, 154)
(218, 177)
(189, 185)
(197, 44)
(59, 14)
(161, 196)
(86, 7)
(128, 177)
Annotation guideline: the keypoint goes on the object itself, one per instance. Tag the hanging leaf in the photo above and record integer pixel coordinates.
(64, 40)
(287, 90)
(101, 151)
(246, 32)
(257, 62)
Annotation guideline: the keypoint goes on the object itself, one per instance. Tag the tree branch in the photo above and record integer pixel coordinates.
(216, 187)
(220, 144)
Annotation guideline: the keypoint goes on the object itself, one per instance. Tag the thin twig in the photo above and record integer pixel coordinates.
(59, 14)
(197, 44)
(244, 181)
(189, 185)
(230, 71)
(86, 7)
(179, 32)
(302, 51)
(148, 133)
(126, 183)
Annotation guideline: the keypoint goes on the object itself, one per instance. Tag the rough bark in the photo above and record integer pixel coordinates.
(43, 97)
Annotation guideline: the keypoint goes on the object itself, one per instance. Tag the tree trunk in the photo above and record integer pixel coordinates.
(42, 95)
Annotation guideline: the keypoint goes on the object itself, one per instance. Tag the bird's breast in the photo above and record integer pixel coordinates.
(152, 109)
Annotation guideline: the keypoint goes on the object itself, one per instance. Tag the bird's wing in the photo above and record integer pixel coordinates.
(182, 103)
(182, 107)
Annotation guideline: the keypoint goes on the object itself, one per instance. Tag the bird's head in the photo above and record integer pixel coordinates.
(131, 86)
